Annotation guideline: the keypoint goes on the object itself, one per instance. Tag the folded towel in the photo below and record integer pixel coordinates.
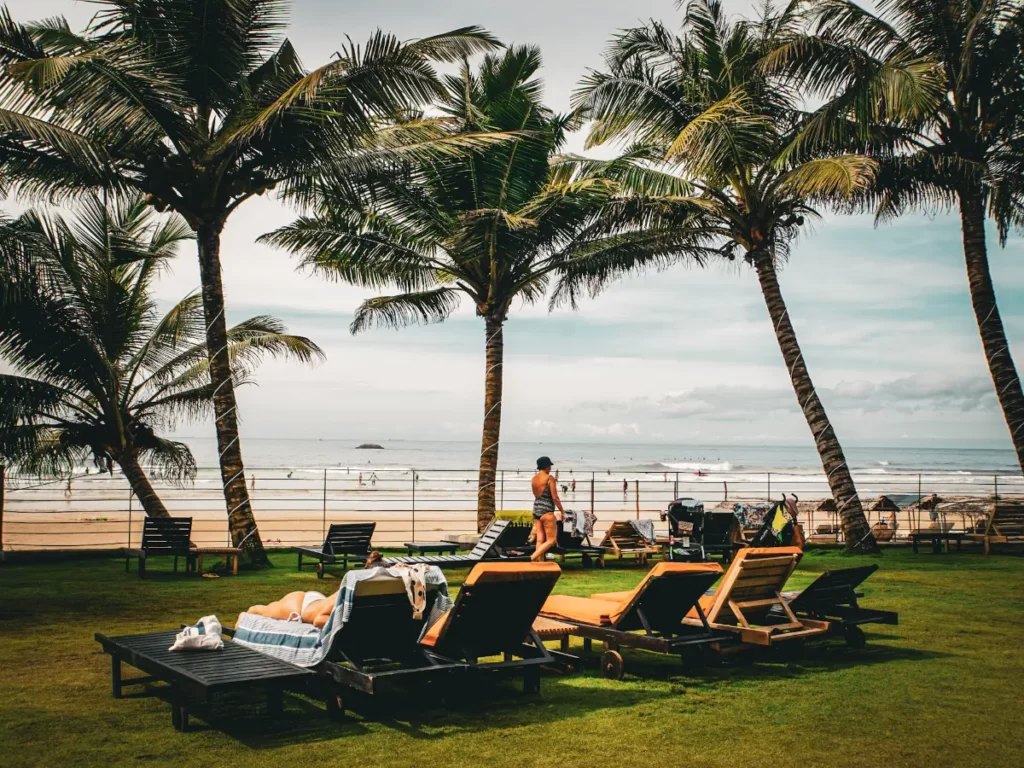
(204, 635)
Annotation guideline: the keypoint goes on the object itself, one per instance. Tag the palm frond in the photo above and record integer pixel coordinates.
(423, 307)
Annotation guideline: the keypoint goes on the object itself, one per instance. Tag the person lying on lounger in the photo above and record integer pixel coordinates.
(311, 607)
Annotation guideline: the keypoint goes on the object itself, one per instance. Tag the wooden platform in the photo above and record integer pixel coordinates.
(195, 676)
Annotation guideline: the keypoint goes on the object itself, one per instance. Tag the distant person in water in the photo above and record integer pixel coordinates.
(545, 502)
(360, 478)
(67, 489)
(625, 487)
(573, 485)
(252, 482)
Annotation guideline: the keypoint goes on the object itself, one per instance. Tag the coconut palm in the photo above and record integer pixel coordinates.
(98, 371)
(701, 104)
(201, 105)
(491, 226)
(936, 90)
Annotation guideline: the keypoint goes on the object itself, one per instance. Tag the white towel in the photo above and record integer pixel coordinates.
(203, 636)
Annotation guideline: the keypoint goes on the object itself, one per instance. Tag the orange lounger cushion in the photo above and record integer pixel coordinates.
(583, 610)
(489, 573)
(613, 597)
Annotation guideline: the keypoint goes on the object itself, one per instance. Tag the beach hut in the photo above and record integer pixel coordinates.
(828, 505)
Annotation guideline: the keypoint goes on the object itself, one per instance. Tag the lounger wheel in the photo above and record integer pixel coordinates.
(855, 637)
(320, 570)
(612, 665)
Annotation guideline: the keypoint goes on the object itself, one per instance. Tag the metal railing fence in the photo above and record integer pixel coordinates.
(295, 506)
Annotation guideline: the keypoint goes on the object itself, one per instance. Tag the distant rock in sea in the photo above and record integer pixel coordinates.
(370, 447)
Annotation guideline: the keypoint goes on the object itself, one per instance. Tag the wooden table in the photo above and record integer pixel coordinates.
(424, 547)
(195, 676)
(228, 553)
(937, 537)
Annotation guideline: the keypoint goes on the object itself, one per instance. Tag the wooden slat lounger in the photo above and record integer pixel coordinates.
(622, 539)
(650, 617)
(196, 676)
(488, 548)
(749, 601)
(344, 540)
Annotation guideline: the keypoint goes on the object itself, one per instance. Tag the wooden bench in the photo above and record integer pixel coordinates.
(437, 547)
(196, 676)
(344, 540)
(936, 536)
(163, 537)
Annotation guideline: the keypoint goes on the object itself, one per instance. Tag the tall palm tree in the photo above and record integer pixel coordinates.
(201, 105)
(493, 225)
(97, 370)
(701, 104)
(936, 91)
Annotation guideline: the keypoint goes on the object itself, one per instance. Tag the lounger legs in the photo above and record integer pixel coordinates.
(179, 710)
(300, 562)
(531, 681)
(115, 676)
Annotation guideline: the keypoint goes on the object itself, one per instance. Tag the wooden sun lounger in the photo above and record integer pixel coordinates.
(621, 539)
(1005, 525)
(494, 612)
(163, 537)
(196, 676)
(344, 541)
(833, 597)
(489, 547)
(570, 546)
(650, 617)
(749, 599)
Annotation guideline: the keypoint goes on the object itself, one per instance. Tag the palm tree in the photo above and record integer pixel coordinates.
(493, 225)
(936, 91)
(97, 370)
(199, 104)
(701, 105)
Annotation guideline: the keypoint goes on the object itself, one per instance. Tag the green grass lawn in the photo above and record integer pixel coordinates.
(942, 688)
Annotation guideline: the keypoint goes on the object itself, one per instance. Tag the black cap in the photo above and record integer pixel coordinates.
(544, 463)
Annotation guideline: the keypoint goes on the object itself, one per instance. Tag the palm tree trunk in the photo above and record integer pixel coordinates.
(990, 323)
(141, 486)
(495, 355)
(856, 530)
(241, 522)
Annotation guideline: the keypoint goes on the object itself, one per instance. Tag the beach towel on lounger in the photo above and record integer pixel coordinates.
(306, 646)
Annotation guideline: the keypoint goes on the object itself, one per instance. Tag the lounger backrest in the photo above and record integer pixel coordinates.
(624, 534)
(514, 536)
(832, 588)
(666, 594)
(381, 624)
(488, 539)
(351, 538)
(754, 574)
(1008, 518)
(494, 611)
(163, 535)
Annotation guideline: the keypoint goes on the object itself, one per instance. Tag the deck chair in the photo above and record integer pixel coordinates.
(749, 599)
(344, 541)
(1005, 524)
(648, 617)
(163, 537)
(493, 617)
(833, 597)
(622, 539)
(378, 647)
(488, 548)
(570, 546)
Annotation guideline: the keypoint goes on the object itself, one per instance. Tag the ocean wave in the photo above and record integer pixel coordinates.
(696, 466)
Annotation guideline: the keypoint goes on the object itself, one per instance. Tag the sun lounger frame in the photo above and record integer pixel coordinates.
(621, 539)
(343, 540)
(570, 546)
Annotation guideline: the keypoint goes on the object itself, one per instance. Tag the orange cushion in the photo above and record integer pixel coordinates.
(579, 609)
(485, 572)
(612, 597)
(434, 633)
(705, 601)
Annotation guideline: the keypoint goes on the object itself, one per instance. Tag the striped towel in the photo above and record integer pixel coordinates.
(306, 646)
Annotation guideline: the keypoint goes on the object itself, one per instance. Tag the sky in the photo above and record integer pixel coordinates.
(682, 356)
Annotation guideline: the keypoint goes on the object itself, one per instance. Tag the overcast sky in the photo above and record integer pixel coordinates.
(883, 315)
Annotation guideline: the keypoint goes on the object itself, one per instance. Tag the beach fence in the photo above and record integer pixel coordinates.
(295, 506)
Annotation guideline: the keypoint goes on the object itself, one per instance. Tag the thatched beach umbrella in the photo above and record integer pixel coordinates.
(884, 504)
